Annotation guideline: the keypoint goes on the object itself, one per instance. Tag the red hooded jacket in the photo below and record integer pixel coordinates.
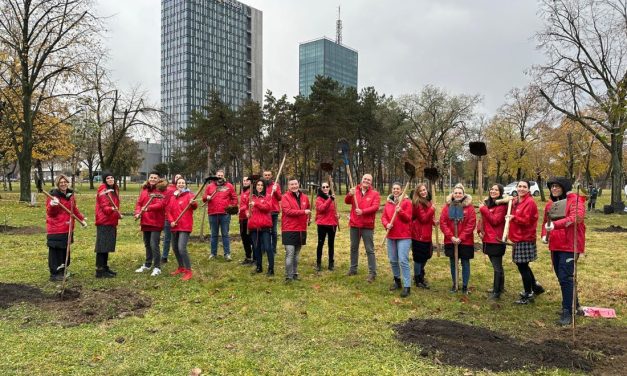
(175, 206)
(562, 237)
(260, 216)
(243, 204)
(224, 196)
(423, 222)
(401, 228)
(325, 212)
(465, 228)
(105, 215)
(57, 219)
(492, 223)
(293, 217)
(523, 225)
(369, 205)
(153, 218)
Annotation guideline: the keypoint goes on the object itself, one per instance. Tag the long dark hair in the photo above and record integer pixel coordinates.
(490, 202)
(254, 188)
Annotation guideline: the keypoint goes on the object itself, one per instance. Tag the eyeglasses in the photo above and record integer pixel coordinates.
(325, 186)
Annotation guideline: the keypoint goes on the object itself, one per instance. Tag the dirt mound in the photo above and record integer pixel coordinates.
(612, 228)
(77, 306)
(462, 345)
(26, 230)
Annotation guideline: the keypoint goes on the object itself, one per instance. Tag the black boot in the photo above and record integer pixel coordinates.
(538, 289)
(102, 273)
(109, 271)
(405, 292)
(319, 266)
(566, 318)
(525, 298)
(417, 280)
(331, 265)
(397, 284)
(421, 281)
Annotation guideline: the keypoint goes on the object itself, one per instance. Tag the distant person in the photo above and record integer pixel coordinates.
(244, 196)
(181, 227)
(594, 193)
(150, 210)
(491, 233)
(295, 210)
(276, 208)
(167, 234)
(219, 195)
(326, 221)
(107, 216)
(398, 237)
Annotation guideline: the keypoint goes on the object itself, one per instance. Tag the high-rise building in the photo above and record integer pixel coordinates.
(206, 45)
(325, 57)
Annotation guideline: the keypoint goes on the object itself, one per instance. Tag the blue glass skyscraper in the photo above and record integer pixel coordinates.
(325, 57)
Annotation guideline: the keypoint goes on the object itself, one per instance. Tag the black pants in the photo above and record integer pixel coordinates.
(102, 260)
(498, 283)
(243, 232)
(323, 231)
(528, 279)
(56, 260)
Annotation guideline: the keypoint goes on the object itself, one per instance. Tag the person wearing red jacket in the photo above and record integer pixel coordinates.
(522, 232)
(276, 208)
(181, 227)
(295, 211)
(559, 232)
(465, 234)
(58, 222)
(167, 233)
(398, 209)
(260, 226)
(243, 221)
(219, 195)
(107, 216)
(423, 220)
(326, 221)
(490, 230)
(364, 201)
(150, 209)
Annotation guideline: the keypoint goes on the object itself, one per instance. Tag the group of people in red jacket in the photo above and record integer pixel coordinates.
(407, 220)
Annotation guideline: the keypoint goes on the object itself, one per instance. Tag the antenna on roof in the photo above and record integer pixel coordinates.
(338, 28)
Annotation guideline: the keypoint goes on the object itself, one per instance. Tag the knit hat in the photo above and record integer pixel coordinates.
(105, 175)
(563, 182)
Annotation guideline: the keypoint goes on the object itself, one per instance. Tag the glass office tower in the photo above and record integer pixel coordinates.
(324, 57)
(206, 45)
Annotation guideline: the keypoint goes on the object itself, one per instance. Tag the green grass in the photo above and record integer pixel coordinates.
(227, 321)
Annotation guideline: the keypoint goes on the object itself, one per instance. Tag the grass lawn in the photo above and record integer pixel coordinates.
(227, 321)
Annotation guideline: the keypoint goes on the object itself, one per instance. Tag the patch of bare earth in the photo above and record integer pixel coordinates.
(25, 230)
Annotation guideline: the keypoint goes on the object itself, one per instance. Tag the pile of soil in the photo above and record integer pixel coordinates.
(26, 230)
(612, 228)
(77, 306)
(602, 349)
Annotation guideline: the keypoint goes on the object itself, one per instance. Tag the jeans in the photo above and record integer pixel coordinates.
(398, 254)
(167, 237)
(291, 261)
(465, 270)
(246, 242)
(366, 234)
(275, 222)
(151, 243)
(323, 231)
(179, 246)
(260, 239)
(220, 223)
(564, 267)
(419, 270)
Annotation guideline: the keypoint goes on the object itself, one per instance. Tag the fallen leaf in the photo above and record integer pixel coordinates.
(120, 340)
(316, 287)
(195, 372)
(539, 323)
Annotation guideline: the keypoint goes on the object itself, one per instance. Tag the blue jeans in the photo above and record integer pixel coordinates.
(260, 239)
(564, 267)
(465, 270)
(167, 238)
(220, 223)
(275, 222)
(398, 254)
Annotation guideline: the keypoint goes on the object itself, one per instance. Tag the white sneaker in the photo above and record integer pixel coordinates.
(142, 269)
(155, 272)
(228, 258)
(211, 257)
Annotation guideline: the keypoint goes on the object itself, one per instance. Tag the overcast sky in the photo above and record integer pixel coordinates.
(464, 46)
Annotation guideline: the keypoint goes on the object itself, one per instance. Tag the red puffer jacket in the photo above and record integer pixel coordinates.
(168, 192)
(369, 205)
(276, 207)
(522, 226)
(243, 204)
(401, 228)
(224, 196)
(562, 237)
(175, 206)
(153, 218)
(293, 217)
(325, 212)
(465, 228)
(422, 224)
(57, 219)
(105, 215)
(492, 223)
(260, 215)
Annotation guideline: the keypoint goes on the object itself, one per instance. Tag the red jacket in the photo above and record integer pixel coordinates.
(153, 218)
(260, 215)
(276, 197)
(225, 196)
(492, 223)
(175, 206)
(325, 212)
(423, 222)
(522, 227)
(105, 215)
(465, 228)
(401, 228)
(562, 237)
(57, 219)
(293, 217)
(243, 204)
(368, 203)
(168, 192)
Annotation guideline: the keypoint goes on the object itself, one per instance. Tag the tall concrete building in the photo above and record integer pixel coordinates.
(206, 45)
(325, 57)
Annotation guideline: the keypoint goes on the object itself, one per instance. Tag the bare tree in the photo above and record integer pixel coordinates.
(585, 77)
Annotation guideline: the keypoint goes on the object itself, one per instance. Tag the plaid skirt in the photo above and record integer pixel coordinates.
(524, 252)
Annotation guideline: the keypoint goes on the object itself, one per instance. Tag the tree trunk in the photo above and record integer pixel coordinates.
(617, 171)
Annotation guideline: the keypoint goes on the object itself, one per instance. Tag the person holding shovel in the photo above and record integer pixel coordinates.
(259, 214)
(180, 213)
(559, 231)
(58, 222)
(107, 216)
(326, 221)
(150, 210)
(459, 233)
(490, 231)
(294, 214)
(423, 220)
(396, 219)
(167, 232)
(219, 195)
(522, 232)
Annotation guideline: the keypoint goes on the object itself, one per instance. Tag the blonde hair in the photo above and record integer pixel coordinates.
(58, 179)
